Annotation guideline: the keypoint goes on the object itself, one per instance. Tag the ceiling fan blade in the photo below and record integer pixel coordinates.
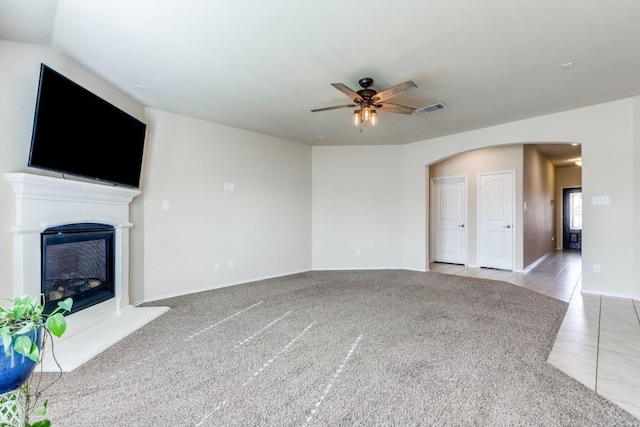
(395, 108)
(350, 93)
(334, 108)
(394, 91)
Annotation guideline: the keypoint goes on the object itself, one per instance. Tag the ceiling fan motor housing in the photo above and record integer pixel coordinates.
(365, 93)
(367, 96)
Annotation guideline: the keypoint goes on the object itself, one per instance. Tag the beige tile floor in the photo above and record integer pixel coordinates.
(598, 342)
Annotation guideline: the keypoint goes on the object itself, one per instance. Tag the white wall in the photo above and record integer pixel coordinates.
(263, 226)
(607, 136)
(357, 207)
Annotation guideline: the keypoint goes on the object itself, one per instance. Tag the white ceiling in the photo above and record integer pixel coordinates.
(263, 66)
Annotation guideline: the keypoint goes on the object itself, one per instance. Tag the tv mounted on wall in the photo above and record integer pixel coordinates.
(78, 133)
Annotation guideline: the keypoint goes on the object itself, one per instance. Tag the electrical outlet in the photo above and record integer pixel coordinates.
(230, 264)
(596, 268)
(216, 266)
(357, 252)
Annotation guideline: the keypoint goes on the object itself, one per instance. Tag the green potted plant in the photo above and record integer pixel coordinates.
(24, 327)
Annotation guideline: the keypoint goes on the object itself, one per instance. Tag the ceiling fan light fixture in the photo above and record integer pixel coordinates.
(357, 119)
(366, 113)
(374, 118)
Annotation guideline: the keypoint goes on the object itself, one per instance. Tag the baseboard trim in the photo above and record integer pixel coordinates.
(218, 286)
(536, 262)
(360, 269)
(608, 294)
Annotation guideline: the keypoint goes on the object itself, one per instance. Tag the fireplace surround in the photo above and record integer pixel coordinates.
(44, 202)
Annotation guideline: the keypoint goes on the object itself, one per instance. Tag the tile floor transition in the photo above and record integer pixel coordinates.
(598, 342)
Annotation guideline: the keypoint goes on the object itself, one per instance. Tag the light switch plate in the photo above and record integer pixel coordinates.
(600, 200)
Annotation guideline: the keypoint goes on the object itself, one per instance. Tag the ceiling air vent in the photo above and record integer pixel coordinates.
(431, 108)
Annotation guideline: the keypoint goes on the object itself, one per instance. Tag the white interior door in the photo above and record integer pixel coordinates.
(449, 216)
(495, 220)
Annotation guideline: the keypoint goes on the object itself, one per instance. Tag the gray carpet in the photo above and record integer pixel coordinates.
(363, 348)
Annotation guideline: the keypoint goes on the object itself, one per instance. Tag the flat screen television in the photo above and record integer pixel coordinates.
(78, 133)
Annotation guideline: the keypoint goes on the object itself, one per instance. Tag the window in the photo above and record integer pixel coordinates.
(575, 211)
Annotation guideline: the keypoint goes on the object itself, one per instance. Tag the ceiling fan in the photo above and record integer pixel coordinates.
(368, 100)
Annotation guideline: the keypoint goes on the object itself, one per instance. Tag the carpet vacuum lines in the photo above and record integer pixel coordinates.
(258, 372)
(164, 350)
(274, 358)
(223, 320)
(331, 381)
(246, 340)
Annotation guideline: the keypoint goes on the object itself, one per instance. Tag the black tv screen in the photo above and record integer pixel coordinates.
(78, 133)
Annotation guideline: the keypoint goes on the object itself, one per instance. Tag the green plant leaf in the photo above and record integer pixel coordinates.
(57, 324)
(26, 327)
(23, 300)
(22, 345)
(66, 304)
(6, 340)
(42, 410)
(34, 354)
(19, 311)
(41, 423)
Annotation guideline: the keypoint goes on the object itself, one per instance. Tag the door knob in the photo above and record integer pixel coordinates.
(506, 226)
(461, 225)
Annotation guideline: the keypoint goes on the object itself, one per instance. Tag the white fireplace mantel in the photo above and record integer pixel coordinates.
(43, 202)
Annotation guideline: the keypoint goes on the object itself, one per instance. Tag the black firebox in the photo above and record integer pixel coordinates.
(78, 262)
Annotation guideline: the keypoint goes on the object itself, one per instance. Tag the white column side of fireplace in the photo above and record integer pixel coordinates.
(43, 202)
